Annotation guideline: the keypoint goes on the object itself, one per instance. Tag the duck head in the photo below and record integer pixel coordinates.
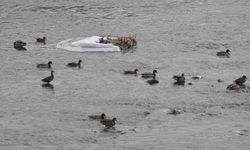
(103, 116)
(114, 119)
(244, 77)
(182, 75)
(154, 72)
(227, 50)
(136, 70)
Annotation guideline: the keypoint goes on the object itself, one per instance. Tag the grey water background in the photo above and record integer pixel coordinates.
(174, 37)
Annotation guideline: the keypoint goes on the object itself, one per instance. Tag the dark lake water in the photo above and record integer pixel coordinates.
(174, 37)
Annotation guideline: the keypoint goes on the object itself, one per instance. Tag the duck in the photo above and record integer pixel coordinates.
(73, 64)
(153, 81)
(41, 40)
(48, 65)
(97, 117)
(19, 45)
(128, 72)
(240, 81)
(109, 123)
(174, 111)
(180, 79)
(224, 53)
(149, 75)
(49, 78)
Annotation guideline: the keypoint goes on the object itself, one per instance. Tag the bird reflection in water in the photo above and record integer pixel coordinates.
(48, 85)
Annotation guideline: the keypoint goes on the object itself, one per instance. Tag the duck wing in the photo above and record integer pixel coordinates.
(73, 64)
(147, 75)
(129, 72)
(176, 77)
(42, 66)
(95, 117)
(48, 79)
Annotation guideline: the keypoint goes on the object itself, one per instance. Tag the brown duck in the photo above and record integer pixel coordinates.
(73, 64)
(131, 72)
(109, 123)
(49, 78)
(241, 81)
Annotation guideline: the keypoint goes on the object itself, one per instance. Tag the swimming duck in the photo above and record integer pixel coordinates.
(108, 122)
(98, 117)
(149, 75)
(131, 72)
(19, 45)
(153, 81)
(49, 78)
(73, 64)
(44, 65)
(180, 80)
(241, 81)
(41, 40)
(174, 111)
(224, 53)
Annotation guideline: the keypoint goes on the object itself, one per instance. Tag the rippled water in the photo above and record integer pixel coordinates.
(174, 37)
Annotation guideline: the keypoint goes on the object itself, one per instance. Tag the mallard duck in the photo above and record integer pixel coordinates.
(108, 122)
(224, 53)
(149, 75)
(73, 64)
(97, 117)
(241, 81)
(131, 72)
(48, 65)
(153, 81)
(41, 40)
(180, 80)
(49, 78)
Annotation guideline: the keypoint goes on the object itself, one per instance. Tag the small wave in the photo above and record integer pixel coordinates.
(88, 44)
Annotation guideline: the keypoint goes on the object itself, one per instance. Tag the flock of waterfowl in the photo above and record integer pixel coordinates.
(110, 123)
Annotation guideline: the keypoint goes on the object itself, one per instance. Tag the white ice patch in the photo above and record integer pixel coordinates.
(88, 44)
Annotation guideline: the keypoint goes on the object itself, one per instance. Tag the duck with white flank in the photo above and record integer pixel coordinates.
(74, 64)
(97, 117)
(109, 123)
(149, 75)
(130, 72)
(224, 53)
(240, 81)
(19, 45)
(48, 65)
(41, 40)
(49, 78)
(180, 79)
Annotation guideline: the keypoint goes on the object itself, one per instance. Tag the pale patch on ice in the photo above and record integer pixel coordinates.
(88, 44)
